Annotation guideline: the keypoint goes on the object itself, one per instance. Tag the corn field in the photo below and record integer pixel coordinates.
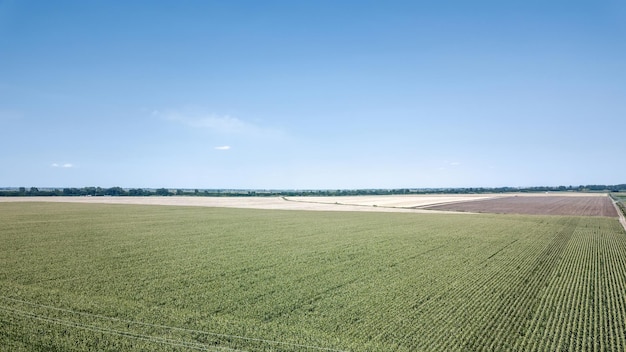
(90, 277)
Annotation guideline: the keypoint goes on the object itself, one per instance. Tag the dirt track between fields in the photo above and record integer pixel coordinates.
(622, 218)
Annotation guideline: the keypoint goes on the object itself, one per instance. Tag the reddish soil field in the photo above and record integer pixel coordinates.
(536, 205)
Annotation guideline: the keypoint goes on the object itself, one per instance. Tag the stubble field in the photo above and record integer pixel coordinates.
(393, 203)
(111, 277)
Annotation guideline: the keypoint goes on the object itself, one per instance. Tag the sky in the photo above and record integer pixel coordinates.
(312, 94)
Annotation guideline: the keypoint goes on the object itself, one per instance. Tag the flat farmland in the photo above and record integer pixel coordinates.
(393, 203)
(112, 277)
(600, 205)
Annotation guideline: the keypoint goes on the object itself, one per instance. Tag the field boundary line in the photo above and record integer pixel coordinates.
(374, 206)
(418, 209)
(426, 206)
(620, 212)
(173, 327)
(337, 203)
(95, 328)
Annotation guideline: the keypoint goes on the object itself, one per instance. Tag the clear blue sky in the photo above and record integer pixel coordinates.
(312, 94)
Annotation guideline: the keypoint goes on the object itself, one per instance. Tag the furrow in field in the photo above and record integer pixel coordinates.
(583, 316)
(476, 303)
(523, 298)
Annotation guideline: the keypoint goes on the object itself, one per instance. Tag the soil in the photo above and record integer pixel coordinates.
(600, 205)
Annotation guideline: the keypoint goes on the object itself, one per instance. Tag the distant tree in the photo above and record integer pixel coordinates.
(179, 192)
(72, 192)
(88, 191)
(162, 192)
(115, 191)
(137, 192)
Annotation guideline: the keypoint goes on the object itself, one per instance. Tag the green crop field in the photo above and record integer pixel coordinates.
(620, 199)
(89, 277)
(619, 196)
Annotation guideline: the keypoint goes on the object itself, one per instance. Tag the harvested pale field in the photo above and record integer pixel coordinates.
(593, 205)
(394, 203)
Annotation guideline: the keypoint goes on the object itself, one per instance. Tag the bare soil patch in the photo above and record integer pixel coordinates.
(598, 205)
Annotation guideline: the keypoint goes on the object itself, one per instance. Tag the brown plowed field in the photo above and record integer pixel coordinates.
(536, 205)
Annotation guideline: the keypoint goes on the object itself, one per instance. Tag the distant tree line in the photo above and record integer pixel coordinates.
(85, 191)
(134, 192)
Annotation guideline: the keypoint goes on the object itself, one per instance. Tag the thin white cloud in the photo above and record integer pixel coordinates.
(222, 124)
(223, 147)
(65, 166)
(448, 164)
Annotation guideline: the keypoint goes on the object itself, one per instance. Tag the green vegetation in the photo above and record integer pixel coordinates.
(133, 192)
(620, 199)
(619, 196)
(77, 277)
